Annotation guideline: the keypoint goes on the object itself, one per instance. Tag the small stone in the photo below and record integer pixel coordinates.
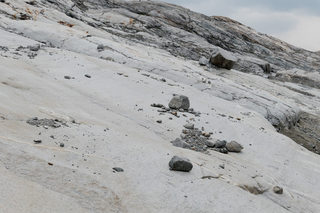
(37, 141)
(56, 125)
(234, 146)
(34, 47)
(159, 121)
(179, 102)
(184, 131)
(100, 47)
(180, 164)
(203, 61)
(278, 190)
(189, 126)
(207, 135)
(67, 77)
(157, 105)
(88, 76)
(179, 143)
(223, 150)
(117, 169)
(210, 144)
(220, 144)
(221, 166)
(61, 144)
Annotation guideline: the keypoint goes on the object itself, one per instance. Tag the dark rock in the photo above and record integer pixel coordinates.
(100, 47)
(45, 122)
(117, 169)
(180, 164)
(221, 150)
(278, 190)
(61, 144)
(159, 121)
(157, 105)
(179, 102)
(220, 144)
(88, 76)
(37, 141)
(223, 59)
(67, 77)
(234, 146)
(34, 47)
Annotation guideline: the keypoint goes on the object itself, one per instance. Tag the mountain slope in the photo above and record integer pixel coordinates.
(97, 66)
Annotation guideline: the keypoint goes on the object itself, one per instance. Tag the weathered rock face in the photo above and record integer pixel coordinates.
(169, 25)
(223, 59)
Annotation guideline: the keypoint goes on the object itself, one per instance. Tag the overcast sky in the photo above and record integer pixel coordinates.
(294, 21)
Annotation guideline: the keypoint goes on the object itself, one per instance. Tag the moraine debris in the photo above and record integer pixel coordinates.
(45, 122)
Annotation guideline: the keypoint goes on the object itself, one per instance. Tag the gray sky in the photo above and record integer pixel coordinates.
(294, 21)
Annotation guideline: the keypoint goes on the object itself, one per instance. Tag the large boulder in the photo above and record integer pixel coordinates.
(180, 164)
(179, 102)
(223, 59)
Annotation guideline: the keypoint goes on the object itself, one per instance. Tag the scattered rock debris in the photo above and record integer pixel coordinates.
(177, 104)
(45, 122)
(200, 141)
(180, 164)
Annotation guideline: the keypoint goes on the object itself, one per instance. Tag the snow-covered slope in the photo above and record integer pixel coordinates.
(100, 86)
